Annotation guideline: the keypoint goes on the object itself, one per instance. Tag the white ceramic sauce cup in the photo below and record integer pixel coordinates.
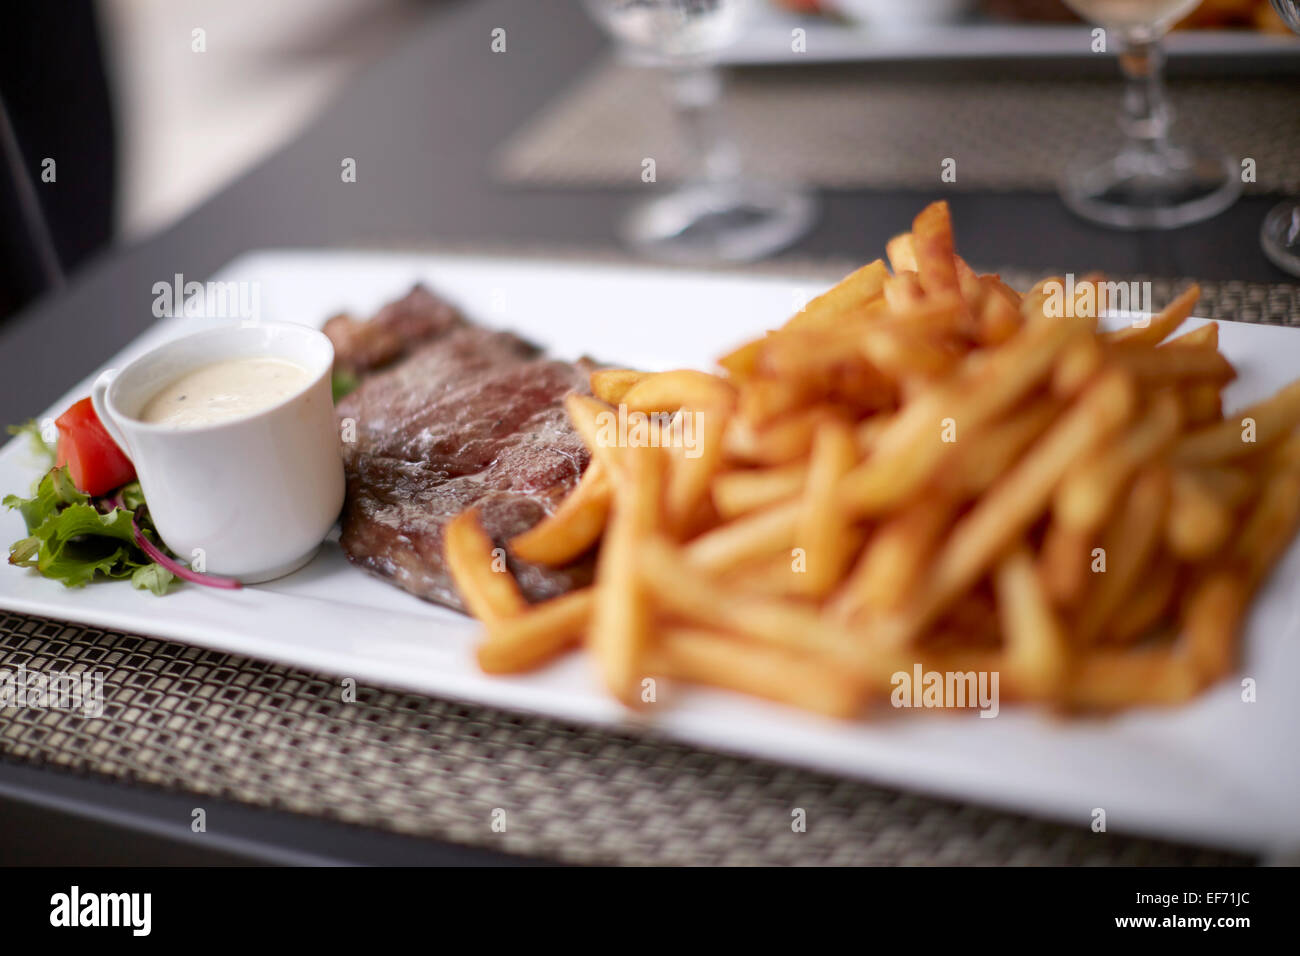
(252, 497)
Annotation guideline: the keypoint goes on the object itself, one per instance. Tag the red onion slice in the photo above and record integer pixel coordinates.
(178, 569)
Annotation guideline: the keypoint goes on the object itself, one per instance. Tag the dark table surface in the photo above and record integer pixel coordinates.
(421, 123)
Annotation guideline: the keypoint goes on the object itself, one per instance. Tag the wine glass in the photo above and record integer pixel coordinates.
(1148, 181)
(1280, 234)
(717, 214)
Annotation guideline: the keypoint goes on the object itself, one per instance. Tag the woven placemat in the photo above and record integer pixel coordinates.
(218, 724)
(845, 128)
(208, 723)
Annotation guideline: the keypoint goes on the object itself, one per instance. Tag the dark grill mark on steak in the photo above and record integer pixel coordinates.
(466, 417)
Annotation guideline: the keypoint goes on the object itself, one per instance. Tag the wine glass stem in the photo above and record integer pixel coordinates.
(696, 91)
(1146, 115)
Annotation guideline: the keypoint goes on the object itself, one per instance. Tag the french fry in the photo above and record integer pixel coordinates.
(611, 384)
(1086, 495)
(683, 592)
(1064, 560)
(482, 579)
(1037, 652)
(702, 656)
(1160, 325)
(901, 253)
(1110, 679)
(850, 293)
(693, 466)
(910, 449)
(1199, 521)
(1145, 608)
(527, 641)
(894, 558)
(620, 615)
(739, 492)
(1244, 433)
(936, 265)
(1006, 511)
(573, 528)
(683, 388)
(1128, 543)
(759, 534)
(822, 530)
(1175, 366)
(1211, 616)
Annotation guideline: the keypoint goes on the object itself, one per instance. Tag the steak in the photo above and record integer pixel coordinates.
(450, 415)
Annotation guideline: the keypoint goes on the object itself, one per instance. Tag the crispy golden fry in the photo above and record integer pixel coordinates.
(484, 582)
(758, 534)
(1199, 521)
(576, 525)
(533, 638)
(1211, 616)
(1175, 366)
(763, 399)
(936, 265)
(910, 450)
(1078, 364)
(889, 567)
(1269, 527)
(1160, 325)
(903, 291)
(683, 388)
(702, 656)
(822, 531)
(902, 352)
(1203, 336)
(611, 384)
(692, 467)
(681, 590)
(620, 615)
(1037, 652)
(1129, 542)
(1244, 433)
(1064, 560)
(851, 293)
(1109, 680)
(1006, 511)
(1144, 609)
(741, 362)
(901, 253)
(1230, 485)
(783, 441)
(1085, 496)
(978, 464)
(1202, 403)
(737, 493)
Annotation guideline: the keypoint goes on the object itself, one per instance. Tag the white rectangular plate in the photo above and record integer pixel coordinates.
(1217, 772)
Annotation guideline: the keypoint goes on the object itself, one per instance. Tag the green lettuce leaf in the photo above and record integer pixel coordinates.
(72, 541)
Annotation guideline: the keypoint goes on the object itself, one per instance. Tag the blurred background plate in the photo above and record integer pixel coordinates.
(856, 33)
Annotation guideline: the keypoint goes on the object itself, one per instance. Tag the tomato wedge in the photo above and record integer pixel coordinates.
(95, 462)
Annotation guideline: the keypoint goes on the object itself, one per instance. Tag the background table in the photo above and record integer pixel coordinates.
(421, 124)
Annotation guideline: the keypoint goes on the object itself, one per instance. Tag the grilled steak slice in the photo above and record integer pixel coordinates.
(361, 347)
(467, 417)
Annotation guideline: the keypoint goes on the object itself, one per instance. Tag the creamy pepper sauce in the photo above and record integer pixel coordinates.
(223, 391)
